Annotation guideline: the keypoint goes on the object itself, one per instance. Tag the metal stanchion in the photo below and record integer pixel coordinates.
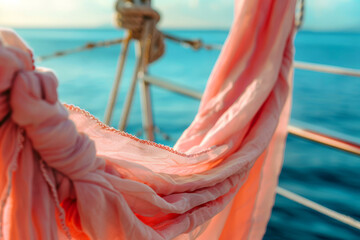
(115, 88)
(141, 49)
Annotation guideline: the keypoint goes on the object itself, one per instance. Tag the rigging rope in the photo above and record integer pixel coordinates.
(194, 44)
(86, 47)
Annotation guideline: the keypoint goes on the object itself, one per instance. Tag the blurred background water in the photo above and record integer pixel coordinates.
(323, 102)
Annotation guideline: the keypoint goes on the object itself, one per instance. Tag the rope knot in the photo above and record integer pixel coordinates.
(132, 17)
(196, 44)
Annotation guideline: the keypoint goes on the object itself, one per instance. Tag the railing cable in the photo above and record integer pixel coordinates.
(195, 44)
(86, 47)
(327, 69)
(319, 208)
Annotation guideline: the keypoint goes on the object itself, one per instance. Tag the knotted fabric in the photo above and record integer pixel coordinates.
(65, 175)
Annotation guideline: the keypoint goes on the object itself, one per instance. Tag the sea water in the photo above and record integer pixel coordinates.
(323, 102)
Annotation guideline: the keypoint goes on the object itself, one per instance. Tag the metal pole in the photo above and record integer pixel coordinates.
(327, 69)
(172, 87)
(319, 208)
(325, 140)
(115, 88)
(146, 106)
(130, 95)
(147, 116)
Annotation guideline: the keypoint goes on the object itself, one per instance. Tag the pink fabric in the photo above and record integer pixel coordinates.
(64, 174)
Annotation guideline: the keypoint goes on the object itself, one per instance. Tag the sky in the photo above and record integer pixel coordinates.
(320, 15)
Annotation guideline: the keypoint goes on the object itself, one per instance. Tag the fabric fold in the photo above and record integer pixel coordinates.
(64, 174)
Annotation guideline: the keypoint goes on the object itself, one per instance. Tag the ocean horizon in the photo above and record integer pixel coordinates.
(323, 102)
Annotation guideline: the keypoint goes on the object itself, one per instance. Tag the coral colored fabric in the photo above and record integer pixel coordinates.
(64, 174)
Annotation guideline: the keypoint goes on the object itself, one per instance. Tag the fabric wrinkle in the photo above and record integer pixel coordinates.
(100, 183)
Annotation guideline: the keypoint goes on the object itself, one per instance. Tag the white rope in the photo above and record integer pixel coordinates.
(319, 208)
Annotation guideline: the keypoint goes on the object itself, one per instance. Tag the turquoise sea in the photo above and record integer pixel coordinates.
(323, 102)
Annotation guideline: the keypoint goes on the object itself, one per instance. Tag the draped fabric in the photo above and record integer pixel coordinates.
(65, 175)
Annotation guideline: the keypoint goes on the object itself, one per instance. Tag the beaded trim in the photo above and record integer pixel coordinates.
(128, 135)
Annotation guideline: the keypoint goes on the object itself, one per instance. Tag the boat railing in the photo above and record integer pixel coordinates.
(327, 69)
(313, 136)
